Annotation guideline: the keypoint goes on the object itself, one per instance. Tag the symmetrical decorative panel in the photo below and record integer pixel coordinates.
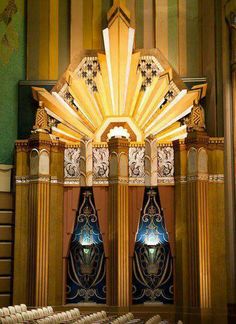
(72, 163)
(100, 165)
(165, 165)
(170, 95)
(86, 281)
(149, 68)
(136, 165)
(152, 264)
(88, 70)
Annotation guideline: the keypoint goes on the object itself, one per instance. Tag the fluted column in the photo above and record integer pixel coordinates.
(56, 220)
(198, 225)
(181, 232)
(119, 290)
(229, 89)
(39, 195)
(21, 253)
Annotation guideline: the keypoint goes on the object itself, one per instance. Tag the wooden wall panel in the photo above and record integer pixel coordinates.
(101, 204)
(6, 247)
(167, 203)
(136, 195)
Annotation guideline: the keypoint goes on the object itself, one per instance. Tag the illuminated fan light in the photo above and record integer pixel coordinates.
(152, 240)
(118, 132)
(119, 85)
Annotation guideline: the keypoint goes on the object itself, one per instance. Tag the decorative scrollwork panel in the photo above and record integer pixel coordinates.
(100, 164)
(165, 164)
(72, 163)
(86, 281)
(152, 264)
(136, 165)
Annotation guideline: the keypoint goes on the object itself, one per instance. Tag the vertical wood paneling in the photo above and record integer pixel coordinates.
(53, 39)
(43, 41)
(87, 24)
(131, 7)
(161, 26)
(97, 24)
(139, 14)
(148, 24)
(182, 38)
(32, 34)
(48, 39)
(173, 33)
(76, 28)
(64, 36)
(194, 59)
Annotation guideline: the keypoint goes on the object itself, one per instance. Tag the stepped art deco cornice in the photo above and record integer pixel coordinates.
(119, 86)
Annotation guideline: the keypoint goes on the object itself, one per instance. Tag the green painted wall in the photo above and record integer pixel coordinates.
(12, 69)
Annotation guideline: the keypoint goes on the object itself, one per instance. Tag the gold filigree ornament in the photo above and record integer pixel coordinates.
(41, 120)
(196, 120)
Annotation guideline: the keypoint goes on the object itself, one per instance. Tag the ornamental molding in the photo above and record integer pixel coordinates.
(200, 177)
(36, 179)
(22, 179)
(72, 182)
(211, 178)
(218, 178)
(136, 181)
(216, 140)
(166, 181)
(101, 181)
(180, 179)
(120, 180)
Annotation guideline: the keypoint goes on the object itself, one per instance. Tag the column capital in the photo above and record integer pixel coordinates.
(118, 144)
(197, 139)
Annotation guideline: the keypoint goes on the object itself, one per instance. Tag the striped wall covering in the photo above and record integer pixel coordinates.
(48, 38)
(172, 26)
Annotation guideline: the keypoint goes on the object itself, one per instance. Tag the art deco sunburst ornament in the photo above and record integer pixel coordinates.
(135, 89)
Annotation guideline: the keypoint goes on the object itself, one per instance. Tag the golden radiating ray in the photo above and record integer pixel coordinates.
(85, 100)
(134, 99)
(119, 96)
(168, 116)
(176, 129)
(105, 83)
(143, 98)
(87, 95)
(88, 118)
(103, 98)
(64, 136)
(154, 99)
(134, 79)
(79, 112)
(68, 131)
(163, 110)
(67, 115)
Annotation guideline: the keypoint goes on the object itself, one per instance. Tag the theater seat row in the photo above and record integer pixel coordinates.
(70, 316)
(123, 319)
(17, 309)
(157, 320)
